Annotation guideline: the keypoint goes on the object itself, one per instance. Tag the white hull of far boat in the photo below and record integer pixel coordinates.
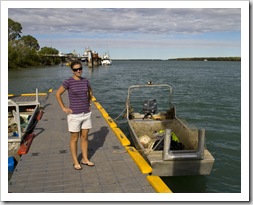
(106, 62)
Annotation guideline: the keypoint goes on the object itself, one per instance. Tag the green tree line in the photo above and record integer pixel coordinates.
(209, 59)
(25, 51)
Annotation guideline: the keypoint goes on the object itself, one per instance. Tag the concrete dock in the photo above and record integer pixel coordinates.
(48, 168)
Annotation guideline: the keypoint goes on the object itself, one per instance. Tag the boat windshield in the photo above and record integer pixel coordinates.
(138, 95)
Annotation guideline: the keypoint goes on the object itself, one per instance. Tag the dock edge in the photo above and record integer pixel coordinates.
(155, 181)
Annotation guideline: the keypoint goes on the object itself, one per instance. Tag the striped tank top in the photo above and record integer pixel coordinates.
(78, 94)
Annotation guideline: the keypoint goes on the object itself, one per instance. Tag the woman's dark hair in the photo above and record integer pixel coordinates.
(73, 63)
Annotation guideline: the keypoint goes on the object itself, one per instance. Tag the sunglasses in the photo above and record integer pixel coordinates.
(76, 69)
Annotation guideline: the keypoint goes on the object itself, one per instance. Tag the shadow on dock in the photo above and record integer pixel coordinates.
(96, 142)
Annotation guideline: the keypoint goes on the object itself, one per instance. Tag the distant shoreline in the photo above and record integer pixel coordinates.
(187, 59)
(209, 59)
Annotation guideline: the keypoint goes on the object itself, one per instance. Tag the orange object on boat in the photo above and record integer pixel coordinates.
(39, 116)
(25, 146)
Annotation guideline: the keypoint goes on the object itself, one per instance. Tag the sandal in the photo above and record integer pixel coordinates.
(90, 164)
(79, 168)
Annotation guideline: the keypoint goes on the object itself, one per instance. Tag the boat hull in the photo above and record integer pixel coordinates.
(188, 167)
(106, 62)
(183, 166)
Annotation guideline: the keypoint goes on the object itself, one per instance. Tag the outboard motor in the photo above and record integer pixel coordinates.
(149, 108)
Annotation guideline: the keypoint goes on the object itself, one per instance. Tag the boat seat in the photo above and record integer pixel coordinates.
(137, 115)
(158, 116)
(149, 107)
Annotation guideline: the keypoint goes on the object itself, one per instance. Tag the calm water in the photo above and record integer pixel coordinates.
(206, 94)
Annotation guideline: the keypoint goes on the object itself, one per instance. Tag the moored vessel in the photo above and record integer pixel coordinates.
(165, 141)
(106, 60)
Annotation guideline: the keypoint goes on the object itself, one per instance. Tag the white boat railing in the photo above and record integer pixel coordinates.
(16, 114)
(16, 119)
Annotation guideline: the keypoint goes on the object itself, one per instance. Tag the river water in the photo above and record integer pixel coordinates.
(206, 94)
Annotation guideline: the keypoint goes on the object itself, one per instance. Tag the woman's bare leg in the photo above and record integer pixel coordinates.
(73, 148)
(84, 145)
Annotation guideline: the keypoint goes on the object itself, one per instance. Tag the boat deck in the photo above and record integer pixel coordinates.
(47, 167)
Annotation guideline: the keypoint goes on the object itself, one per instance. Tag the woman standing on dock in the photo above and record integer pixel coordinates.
(78, 112)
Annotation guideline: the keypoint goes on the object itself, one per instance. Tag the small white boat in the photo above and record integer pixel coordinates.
(22, 118)
(166, 143)
(106, 60)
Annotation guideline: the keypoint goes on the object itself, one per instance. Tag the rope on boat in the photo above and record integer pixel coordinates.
(116, 119)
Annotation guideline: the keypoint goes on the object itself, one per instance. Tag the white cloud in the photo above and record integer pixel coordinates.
(167, 21)
(98, 28)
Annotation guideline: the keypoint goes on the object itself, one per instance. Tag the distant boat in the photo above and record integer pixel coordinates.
(205, 60)
(106, 60)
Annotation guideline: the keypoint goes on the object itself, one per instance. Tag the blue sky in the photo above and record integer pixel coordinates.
(136, 33)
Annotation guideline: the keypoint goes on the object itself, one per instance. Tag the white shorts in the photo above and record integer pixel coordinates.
(76, 122)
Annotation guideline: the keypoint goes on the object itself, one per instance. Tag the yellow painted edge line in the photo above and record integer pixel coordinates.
(110, 121)
(33, 94)
(139, 160)
(97, 104)
(28, 94)
(121, 136)
(103, 111)
(93, 99)
(158, 184)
